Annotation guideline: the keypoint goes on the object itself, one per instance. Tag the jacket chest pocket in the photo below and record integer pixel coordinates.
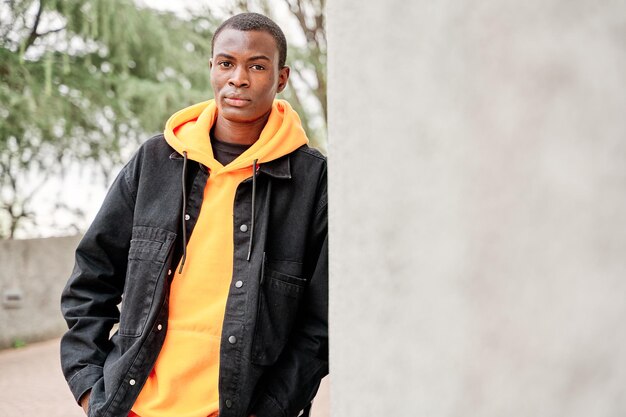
(149, 249)
(279, 301)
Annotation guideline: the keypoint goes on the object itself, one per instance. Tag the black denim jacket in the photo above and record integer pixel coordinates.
(274, 348)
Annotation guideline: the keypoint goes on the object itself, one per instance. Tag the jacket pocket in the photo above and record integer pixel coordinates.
(279, 300)
(149, 249)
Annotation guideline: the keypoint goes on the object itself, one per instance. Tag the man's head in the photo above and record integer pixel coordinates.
(247, 67)
(256, 22)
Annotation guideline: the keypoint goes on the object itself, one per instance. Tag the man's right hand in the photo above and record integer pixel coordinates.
(84, 401)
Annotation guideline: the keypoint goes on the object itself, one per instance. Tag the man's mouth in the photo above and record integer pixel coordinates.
(236, 101)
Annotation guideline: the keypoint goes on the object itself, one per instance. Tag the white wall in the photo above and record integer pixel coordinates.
(478, 208)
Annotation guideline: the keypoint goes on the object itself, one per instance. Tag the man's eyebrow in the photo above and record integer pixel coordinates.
(224, 55)
(252, 58)
(257, 57)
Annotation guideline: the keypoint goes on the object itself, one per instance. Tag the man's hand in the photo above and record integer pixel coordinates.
(84, 401)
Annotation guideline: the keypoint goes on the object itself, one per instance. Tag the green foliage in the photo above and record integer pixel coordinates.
(81, 79)
(19, 343)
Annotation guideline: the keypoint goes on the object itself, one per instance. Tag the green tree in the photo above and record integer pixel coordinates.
(81, 80)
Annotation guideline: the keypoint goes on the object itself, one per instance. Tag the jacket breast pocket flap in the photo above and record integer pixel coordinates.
(150, 244)
(284, 284)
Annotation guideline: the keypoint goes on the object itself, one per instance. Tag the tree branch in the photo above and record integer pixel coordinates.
(298, 105)
(33, 33)
(41, 35)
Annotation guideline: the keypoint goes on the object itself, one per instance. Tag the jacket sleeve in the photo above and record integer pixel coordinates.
(90, 298)
(291, 384)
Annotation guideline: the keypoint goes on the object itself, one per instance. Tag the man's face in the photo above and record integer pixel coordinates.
(244, 74)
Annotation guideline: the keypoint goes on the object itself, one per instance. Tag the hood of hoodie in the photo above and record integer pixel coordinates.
(188, 131)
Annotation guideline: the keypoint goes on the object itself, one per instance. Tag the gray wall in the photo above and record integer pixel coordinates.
(478, 207)
(37, 270)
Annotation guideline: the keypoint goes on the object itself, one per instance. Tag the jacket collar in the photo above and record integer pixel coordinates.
(278, 168)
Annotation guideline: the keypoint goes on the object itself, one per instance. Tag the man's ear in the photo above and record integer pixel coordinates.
(283, 76)
(210, 63)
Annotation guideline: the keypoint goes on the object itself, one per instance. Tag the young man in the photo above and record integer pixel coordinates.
(214, 237)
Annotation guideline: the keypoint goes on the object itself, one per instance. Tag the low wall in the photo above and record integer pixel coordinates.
(32, 276)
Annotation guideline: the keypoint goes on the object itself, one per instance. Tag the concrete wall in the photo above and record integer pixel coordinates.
(32, 276)
(478, 208)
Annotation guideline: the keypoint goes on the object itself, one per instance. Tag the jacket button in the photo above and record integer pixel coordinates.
(132, 382)
(187, 217)
(159, 327)
(243, 228)
(169, 272)
(232, 340)
(229, 403)
(239, 284)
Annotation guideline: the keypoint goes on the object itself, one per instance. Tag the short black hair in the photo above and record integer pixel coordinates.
(255, 21)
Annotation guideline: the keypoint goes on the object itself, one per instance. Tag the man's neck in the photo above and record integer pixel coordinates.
(238, 133)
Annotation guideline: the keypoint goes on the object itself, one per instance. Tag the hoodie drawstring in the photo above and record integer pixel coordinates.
(182, 262)
(254, 169)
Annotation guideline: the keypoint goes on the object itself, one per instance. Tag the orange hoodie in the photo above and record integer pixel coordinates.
(184, 380)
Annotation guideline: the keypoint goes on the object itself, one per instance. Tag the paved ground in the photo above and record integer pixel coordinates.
(32, 385)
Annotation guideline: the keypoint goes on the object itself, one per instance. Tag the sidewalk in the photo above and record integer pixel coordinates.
(32, 385)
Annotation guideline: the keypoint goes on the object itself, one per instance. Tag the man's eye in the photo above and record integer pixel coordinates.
(225, 64)
(258, 67)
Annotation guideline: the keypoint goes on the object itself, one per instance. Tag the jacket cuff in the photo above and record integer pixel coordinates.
(266, 406)
(84, 380)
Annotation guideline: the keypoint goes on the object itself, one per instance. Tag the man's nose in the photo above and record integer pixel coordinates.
(239, 77)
